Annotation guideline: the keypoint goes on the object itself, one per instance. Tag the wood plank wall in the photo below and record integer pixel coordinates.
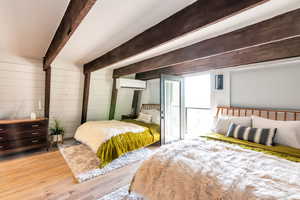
(66, 95)
(100, 94)
(22, 85)
(100, 97)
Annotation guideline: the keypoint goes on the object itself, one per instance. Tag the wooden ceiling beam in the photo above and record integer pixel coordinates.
(280, 49)
(76, 11)
(197, 15)
(277, 28)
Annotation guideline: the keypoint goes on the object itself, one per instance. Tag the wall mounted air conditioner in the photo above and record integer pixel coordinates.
(131, 84)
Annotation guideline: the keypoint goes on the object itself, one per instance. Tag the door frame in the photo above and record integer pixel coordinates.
(180, 79)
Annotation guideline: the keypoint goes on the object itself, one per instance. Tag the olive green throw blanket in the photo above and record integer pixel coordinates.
(126, 142)
(284, 152)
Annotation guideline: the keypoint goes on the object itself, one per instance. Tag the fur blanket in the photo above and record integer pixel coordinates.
(212, 170)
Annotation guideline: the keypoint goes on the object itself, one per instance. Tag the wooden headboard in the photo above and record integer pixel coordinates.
(150, 107)
(285, 115)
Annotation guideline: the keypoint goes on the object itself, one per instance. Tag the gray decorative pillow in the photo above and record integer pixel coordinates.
(222, 123)
(263, 136)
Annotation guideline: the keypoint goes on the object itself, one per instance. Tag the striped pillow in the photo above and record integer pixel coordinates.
(258, 135)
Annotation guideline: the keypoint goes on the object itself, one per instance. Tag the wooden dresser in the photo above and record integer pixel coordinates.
(22, 135)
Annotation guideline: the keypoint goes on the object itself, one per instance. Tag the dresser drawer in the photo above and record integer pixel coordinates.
(21, 127)
(8, 136)
(4, 146)
(23, 143)
(32, 125)
(4, 128)
(21, 135)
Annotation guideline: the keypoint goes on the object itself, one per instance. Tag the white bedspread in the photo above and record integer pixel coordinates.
(95, 133)
(211, 170)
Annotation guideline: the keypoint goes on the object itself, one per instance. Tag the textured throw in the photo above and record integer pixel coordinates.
(121, 144)
(210, 170)
(258, 135)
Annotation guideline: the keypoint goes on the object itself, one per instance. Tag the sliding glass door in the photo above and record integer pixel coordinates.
(172, 108)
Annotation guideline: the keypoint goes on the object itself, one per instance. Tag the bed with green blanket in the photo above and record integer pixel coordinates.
(126, 142)
(280, 151)
(112, 139)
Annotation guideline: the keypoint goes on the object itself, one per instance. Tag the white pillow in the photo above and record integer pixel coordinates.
(155, 115)
(288, 132)
(144, 118)
(222, 123)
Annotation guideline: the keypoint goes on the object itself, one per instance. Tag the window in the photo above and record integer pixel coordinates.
(198, 104)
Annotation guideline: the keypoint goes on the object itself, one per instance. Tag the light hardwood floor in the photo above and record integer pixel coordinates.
(47, 176)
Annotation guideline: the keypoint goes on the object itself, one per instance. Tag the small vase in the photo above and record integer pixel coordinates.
(33, 116)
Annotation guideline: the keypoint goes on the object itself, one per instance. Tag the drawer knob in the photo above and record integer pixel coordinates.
(1, 147)
(1, 129)
(35, 125)
(34, 133)
(34, 141)
(1, 138)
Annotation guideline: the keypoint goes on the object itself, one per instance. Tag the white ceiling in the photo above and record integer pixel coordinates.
(27, 26)
(111, 23)
(254, 15)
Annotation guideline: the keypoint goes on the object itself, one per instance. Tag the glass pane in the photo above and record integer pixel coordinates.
(172, 110)
(199, 121)
(197, 91)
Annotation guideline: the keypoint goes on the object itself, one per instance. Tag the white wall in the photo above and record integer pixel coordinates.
(264, 85)
(124, 103)
(220, 97)
(67, 82)
(271, 87)
(100, 95)
(152, 94)
(22, 83)
(22, 87)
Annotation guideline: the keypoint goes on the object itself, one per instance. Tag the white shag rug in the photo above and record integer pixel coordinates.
(84, 164)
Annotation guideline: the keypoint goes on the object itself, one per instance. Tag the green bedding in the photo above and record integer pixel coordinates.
(126, 142)
(284, 152)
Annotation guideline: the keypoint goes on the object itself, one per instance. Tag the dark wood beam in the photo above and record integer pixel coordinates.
(280, 49)
(76, 11)
(277, 28)
(86, 93)
(113, 102)
(47, 92)
(199, 14)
